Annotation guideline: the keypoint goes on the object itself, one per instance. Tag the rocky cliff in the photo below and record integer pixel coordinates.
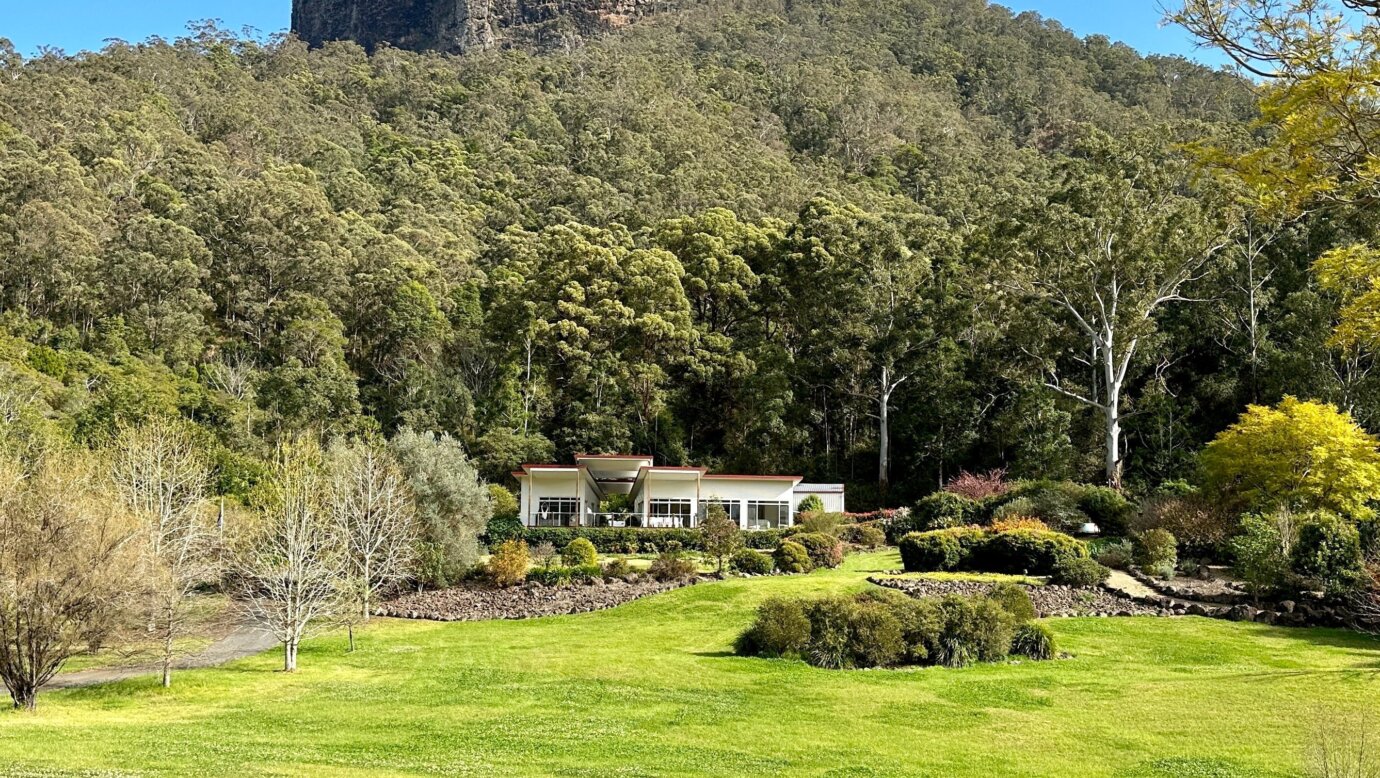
(461, 25)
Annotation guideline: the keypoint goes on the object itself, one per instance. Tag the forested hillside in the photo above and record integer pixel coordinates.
(760, 235)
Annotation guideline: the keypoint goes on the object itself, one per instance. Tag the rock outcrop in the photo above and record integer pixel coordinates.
(457, 26)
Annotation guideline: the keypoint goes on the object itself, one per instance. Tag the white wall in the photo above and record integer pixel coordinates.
(833, 501)
(552, 484)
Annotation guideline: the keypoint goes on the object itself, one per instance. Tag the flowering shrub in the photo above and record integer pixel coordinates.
(979, 486)
(1009, 523)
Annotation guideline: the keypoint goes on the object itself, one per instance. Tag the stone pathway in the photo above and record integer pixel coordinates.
(1129, 586)
(244, 641)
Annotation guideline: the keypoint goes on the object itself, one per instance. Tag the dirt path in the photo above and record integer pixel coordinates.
(243, 641)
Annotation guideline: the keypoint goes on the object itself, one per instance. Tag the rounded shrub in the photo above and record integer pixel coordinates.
(508, 564)
(579, 552)
(1015, 600)
(1156, 552)
(865, 535)
(1201, 527)
(1053, 502)
(791, 557)
(1328, 552)
(940, 550)
(1083, 573)
(943, 510)
(751, 562)
(781, 629)
(976, 629)
(1106, 507)
(1034, 641)
(875, 635)
(825, 550)
(617, 567)
(811, 504)
(1028, 552)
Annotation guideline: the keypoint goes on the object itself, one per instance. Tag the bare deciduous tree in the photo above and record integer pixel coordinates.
(289, 565)
(68, 557)
(162, 477)
(376, 521)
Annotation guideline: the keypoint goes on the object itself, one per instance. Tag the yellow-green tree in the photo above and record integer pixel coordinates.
(1298, 455)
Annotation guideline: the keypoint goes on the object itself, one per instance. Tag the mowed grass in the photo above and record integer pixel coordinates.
(652, 689)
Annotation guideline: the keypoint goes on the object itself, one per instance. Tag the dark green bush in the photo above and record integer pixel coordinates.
(1015, 600)
(579, 552)
(1056, 503)
(1107, 508)
(791, 557)
(975, 630)
(751, 562)
(811, 504)
(940, 550)
(943, 510)
(1084, 573)
(780, 630)
(501, 528)
(1034, 641)
(1028, 552)
(881, 628)
(825, 550)
(1156, 552)
(1328, 552)
(865, 535)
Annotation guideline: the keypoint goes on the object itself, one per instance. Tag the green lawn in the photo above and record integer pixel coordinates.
(650, 689)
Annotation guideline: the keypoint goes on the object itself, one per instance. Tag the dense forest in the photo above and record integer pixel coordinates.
(877, 241)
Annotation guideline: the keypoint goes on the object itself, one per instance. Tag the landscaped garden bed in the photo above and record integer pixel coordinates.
(1050, 601)
(484, 602)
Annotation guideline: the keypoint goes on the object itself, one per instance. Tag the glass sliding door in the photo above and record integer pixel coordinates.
(768, 515)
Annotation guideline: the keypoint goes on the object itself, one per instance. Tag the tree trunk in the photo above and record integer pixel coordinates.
(290, 656)
(25, 696)
(351, 629)
(884, 438)
(1113, 445)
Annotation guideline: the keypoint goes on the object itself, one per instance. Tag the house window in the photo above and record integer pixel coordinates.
(768, 515)
(558, 512)
(671, 514)
(734, 509)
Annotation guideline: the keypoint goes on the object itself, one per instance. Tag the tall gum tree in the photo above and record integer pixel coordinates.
(1121, 238)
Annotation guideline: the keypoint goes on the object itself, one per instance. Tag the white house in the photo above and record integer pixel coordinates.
(659, 497)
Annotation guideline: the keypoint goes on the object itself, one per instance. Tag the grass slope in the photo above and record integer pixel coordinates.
(651, 689)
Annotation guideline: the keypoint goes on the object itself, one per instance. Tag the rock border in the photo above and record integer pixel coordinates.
(480, 602)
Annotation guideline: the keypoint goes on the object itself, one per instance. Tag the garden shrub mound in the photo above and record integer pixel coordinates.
(826, 551)
(478, 602)
(1017, 552)
(882, 628)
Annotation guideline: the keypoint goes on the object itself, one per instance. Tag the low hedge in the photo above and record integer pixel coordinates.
(1028, 552)
(752, 562)
(940, 550)
(638, 540)
(881, 628)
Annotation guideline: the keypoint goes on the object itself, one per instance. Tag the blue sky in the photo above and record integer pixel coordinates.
(74, 25)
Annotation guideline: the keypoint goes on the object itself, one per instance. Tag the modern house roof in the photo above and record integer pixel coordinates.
(820, 488)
